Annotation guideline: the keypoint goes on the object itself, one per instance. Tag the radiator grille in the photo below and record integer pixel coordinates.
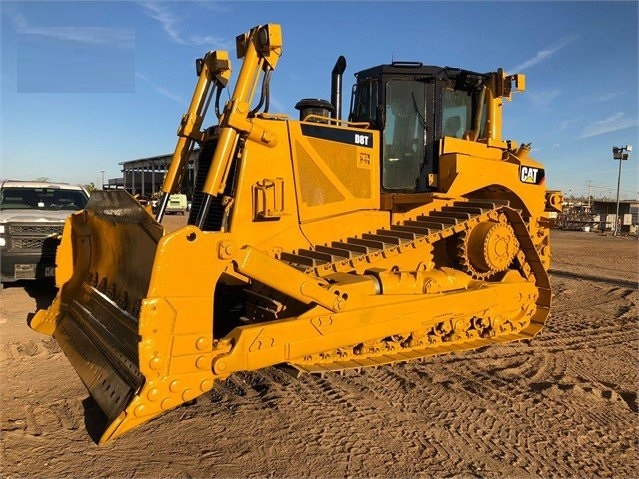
(41, 237)
(28, 243)
(345, 163)
(24, 274)
(39, 230)
(213, 221)
(315, 186)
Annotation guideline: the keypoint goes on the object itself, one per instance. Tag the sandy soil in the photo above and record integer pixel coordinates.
(561, 405)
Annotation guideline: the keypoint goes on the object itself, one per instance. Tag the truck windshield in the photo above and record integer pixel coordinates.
(15, 198)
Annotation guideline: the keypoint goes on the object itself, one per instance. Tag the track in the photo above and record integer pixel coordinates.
(454, 220)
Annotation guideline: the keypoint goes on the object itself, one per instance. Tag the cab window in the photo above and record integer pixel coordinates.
(404, 134)
(456, 112)
(365, 102)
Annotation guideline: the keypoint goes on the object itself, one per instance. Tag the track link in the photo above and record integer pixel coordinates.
(423, 232)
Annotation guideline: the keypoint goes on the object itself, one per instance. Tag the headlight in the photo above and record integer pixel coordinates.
(2, 243)
(1, 230)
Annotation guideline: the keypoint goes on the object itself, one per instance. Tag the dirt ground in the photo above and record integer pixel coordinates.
(562, 405)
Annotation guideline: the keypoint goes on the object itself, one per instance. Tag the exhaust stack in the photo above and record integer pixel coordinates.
(336, 86)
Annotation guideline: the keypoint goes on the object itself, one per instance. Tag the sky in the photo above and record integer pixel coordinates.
(86, 85)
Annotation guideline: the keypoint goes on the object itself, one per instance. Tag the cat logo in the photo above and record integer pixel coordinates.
(364, 161)
(531, 175)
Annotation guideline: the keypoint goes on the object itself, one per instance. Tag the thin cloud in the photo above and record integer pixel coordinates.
(564, 126)
(171, 25)
(616, 122)
(215, 42)
(18, 20)
(606, 97)
(115, 37)
(543, 98)
(166, 19)
(544, 54)
(160, 89)
(212, 6)
(111, 36)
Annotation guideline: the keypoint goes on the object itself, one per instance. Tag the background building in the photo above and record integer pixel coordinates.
(145, 176)
(599, 215)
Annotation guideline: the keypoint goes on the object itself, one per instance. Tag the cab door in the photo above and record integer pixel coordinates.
(408, 146)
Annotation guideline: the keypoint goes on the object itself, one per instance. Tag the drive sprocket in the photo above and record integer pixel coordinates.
(487, 248)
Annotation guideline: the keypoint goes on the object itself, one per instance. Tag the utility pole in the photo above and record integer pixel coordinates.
(102, 185)
(589, 187)
(618, 154)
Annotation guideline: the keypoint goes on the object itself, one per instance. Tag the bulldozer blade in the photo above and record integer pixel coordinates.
(102, 347)
(118, 339)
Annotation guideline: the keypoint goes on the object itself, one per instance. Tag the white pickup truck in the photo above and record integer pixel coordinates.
(178, 204)
(32, 216)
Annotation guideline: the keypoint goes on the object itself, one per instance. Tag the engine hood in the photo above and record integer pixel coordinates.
(30, 216)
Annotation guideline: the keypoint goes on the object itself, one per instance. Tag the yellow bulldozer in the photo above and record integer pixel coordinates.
(316, 244)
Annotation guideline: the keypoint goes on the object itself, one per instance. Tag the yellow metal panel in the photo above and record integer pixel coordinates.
(324, 186)
(462, 174)
(471, 148)
(348, 164)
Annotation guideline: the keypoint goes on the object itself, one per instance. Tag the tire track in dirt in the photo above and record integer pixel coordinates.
(269, 387)
(34, 420)
(588, 296)
(19, 350)
(329, 414)
(580, 339)
(540, 364)
(516, 373)
(507, 430)
(341, 413)
(494, 418)
(441, 399)
(27, 412)
(567, 392)
(398, 392)
(402, 390)
(585, 276)
(339, 418)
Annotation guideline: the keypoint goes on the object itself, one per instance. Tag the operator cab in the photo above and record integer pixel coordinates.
(414, 106)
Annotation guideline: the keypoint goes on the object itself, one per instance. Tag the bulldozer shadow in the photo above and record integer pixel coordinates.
(599, 279)
(42, 291)
(95, 421)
